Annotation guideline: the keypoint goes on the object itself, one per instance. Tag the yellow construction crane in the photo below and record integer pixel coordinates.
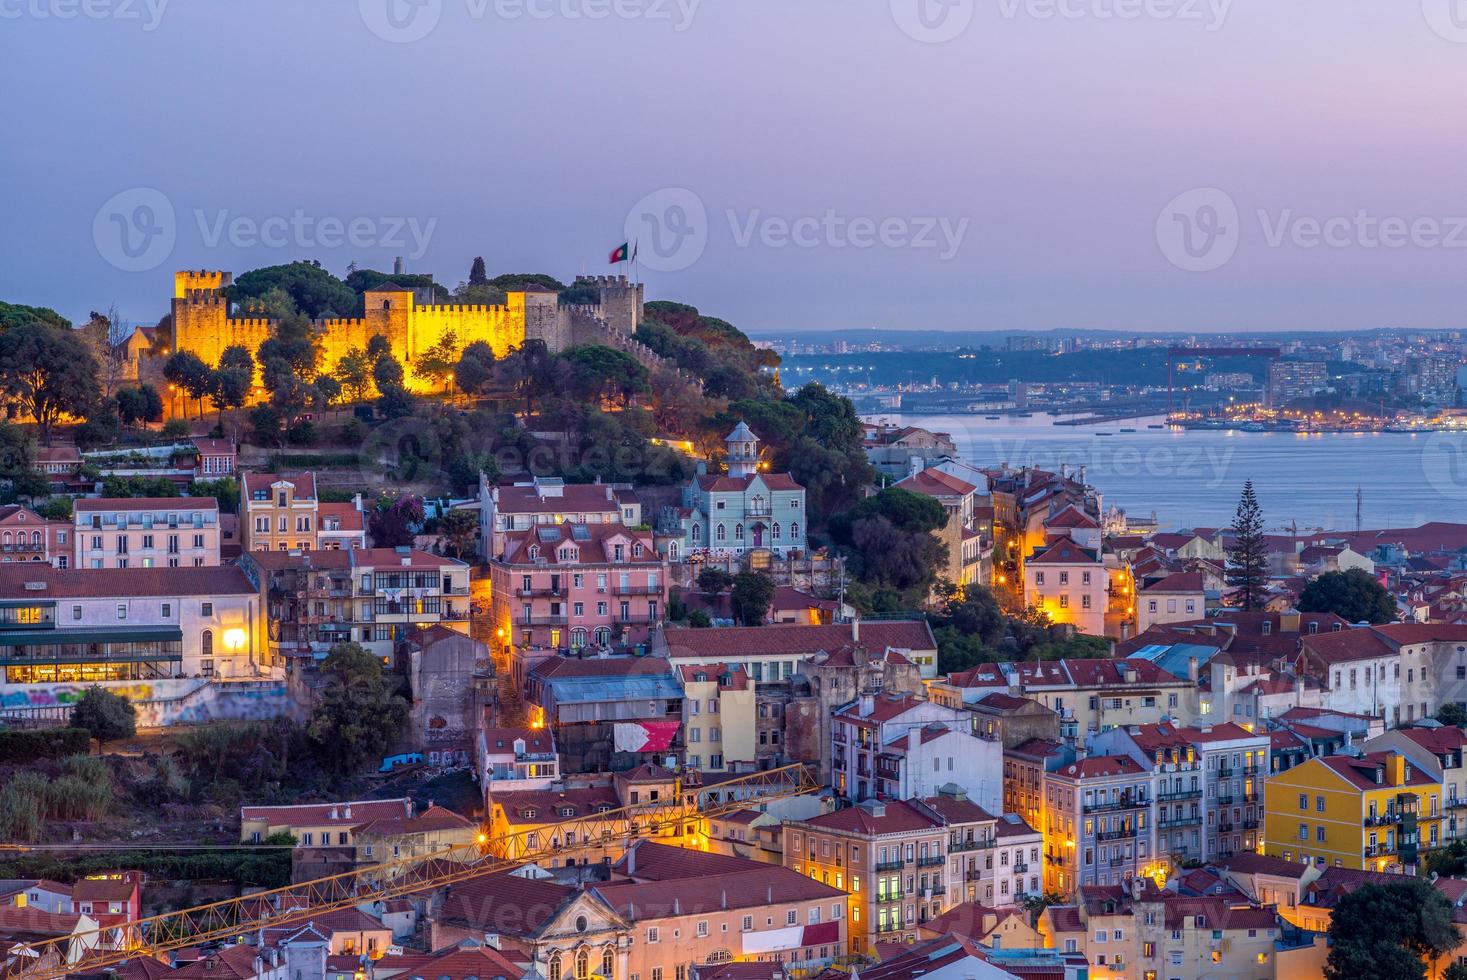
(93, 951)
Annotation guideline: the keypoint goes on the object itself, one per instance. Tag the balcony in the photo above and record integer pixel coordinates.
(1224, 828)
(887, 897)
(1058, 860)
(542, 621)
(1456, 804)
(1125, 804)
(971, 845)
(1252, 797)
(1250, 824)
(1125, 833)
(758, 510)
(1381, 819)
(1020, 868)
(1226, 772)
(932, 861)
(1379, 850)
(884, 866)
(637, 590)
(1180, 794)
(557, 591)
(1174, 822)
(973, 874)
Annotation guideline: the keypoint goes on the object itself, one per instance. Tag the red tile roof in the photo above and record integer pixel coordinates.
(317, 814)
(898, 817)
(1360, 771)
(740, 484)
(547, 806)
(86, 504)
(936, 483)
(501, 740)
(574, 498)
(591, 544)
(648, 860)
(103, 583)
(640, 901)
(304, 484)
(739, 643)
(1063, 551)
(1179, 582)
(1098, 766)
(1072, 517)
(1249, 863)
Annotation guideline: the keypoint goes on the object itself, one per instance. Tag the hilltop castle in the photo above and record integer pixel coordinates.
(203, 324)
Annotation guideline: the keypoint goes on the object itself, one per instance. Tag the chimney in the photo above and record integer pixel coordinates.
(1192, 669)
(397, 266)
(914, 738)
(632, 860)
(1396, 768)
(347, 812)
(856, 628)
(868, 705)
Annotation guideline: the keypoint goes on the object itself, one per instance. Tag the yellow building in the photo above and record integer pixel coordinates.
(278, 513)
(1374, 812)
(718, 716)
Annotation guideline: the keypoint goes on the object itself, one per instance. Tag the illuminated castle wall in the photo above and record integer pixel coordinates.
(203, 324)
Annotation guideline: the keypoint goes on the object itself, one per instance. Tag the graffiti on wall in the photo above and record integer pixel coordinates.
(170, 702)
(61, 695)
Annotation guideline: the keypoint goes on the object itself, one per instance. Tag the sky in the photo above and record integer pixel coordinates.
(784, 164)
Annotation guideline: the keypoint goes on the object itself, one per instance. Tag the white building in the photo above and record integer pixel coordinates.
(513, 759)
(901, 747)
(726, 517)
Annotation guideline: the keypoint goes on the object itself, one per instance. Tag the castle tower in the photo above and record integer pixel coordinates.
(621, 302)
(388, 311)
(743, 451)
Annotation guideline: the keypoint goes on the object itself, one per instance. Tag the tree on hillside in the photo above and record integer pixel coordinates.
(394, 520)
(1247, 568)
(1388, 932)
(460, 530)
(106, 336)
(187, 372)
(49, 373)
(752, 594)
(890, 543)
(354, 372)
(313, 291)
(528, 369)
(475, 368)
(138, 405)
(229, 389)
(14, 315)
(436, 364)
(714, 580)
(1452, 713)
(478, 275)
(607, 373)
(105, 715)
(1353, 595)
(356, 719)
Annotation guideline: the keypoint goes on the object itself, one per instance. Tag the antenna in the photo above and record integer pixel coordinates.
(1359, 504)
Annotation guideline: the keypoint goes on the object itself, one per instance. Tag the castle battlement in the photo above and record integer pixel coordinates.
(202, 322)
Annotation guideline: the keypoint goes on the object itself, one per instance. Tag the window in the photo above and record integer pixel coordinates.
(206, 643)
(206, 609)
(122, 610)
(651, 930)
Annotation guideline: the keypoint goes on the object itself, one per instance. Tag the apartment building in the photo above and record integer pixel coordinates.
(1178, 598)
(318, 824)
(283, 512)
(1097, 823)
(900, 746)
(1436, 750)
(1375, 812)
(145, 532)
(1209, 785)
(890, 858)
(1404, 671)
(371, 596)
(27, 536)
(719, 722)
(511, 759)
(550, 501)
(563, 588)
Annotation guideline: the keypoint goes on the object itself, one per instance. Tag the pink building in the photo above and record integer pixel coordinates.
(27, 536)
(570, 586)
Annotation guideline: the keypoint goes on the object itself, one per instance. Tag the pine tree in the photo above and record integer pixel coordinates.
(1248, 554)
(478, 275)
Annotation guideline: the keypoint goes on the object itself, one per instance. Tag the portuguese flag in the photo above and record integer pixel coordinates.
(621, 253)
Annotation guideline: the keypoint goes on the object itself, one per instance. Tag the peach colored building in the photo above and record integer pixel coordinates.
(27, 536)
(146, 532)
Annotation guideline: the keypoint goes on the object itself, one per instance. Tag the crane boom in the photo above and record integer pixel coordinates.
(83, 952)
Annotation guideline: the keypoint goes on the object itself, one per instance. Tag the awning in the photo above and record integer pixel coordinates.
(772, 940)
(140, 634)
(821, 933)
(645, 736)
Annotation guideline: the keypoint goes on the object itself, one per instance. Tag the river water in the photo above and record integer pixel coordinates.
(1192, 478)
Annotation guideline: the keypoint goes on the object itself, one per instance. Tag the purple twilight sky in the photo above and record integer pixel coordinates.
(785, 164)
